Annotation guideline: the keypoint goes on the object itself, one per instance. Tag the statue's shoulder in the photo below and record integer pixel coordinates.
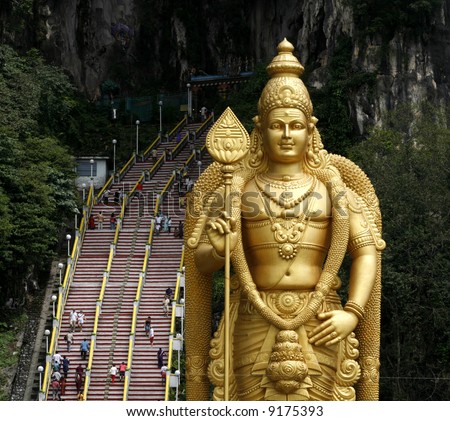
(361, 195)
(356, 180)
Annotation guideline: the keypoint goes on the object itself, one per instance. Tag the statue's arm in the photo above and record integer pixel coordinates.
(338, 324)
(206, 258)
(364, 256)
(210, 253)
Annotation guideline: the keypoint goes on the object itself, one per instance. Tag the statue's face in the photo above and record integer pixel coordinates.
(285, 135)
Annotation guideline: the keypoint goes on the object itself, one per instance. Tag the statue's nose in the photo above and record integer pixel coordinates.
(286, 132)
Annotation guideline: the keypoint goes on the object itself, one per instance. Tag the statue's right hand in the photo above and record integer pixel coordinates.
(218, 228)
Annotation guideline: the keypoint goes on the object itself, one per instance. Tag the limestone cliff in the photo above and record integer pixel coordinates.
(134, 42)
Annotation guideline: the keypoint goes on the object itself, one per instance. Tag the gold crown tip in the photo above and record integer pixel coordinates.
(285, 47)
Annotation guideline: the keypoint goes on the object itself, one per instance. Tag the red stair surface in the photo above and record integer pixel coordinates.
(114, 327)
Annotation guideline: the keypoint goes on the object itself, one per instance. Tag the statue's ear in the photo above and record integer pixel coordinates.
(312, 124)
(257, 122)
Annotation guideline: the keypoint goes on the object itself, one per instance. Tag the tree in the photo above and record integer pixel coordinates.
(37, 191)
(409, 168)
(38, 198)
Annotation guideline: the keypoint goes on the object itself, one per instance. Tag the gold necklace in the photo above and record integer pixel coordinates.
(287, 202)
(285, 182)
(288, 228)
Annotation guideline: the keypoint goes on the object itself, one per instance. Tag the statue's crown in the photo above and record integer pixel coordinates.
(284, 89)
(285, 63)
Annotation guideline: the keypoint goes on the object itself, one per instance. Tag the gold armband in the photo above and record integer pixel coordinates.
(362, 240)
(216, 255)
(354, 308)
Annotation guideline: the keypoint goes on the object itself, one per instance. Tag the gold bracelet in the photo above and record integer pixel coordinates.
(216, 255)
(354, 308)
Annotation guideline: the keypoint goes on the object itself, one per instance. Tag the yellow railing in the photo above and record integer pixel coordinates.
(173, 328)
(155, 142)
(137, 300)
(99, 303)
(62, 295)
(152, 145)
(70, 267)
(180, 145)
(102, 190)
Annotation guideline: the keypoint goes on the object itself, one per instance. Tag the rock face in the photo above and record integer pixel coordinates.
(131, 41)
(87, 37)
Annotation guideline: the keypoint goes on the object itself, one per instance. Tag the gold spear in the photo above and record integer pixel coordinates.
(227, 142)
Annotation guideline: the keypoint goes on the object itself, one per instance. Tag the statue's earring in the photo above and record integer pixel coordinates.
(316, 156)
(313, 145)
(256, 151)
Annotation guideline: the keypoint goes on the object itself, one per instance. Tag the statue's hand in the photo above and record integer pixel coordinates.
(217, 228)
(336, 325)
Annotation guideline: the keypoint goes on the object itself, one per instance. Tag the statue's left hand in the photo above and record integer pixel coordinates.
(336, 325)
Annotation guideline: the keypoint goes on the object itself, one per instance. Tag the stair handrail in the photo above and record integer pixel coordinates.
(181, 124)
(112, 251)
(121, 173)
(142, 276)
(198, 132)
(143, 273)
(208, 122)
(177, 303)
(125, 168)
(177, 300)
(151, 146)
(133, 190)
(103, 189)
(93, 199)
(160, 197)
(137, 300)
(155, 167)
(179, 146)
(171, 180)
(63, 292)
(177, 127)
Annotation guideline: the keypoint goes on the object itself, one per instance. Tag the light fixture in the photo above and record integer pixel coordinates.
(47, 334)
(68, 238)
(60, 267)
(114, 142)
(137, 137)
(54, 298)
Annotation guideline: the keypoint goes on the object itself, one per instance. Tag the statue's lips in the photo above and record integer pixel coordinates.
(286, 146)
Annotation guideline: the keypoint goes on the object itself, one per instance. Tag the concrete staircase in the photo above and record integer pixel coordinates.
(114, 325)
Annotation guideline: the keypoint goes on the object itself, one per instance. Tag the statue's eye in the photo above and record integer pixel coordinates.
(275, 126)
(297, 126)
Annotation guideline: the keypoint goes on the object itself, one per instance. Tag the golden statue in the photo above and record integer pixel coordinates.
(285, 212)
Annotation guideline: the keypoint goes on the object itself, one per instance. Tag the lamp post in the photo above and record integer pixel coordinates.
(137, 137)
(92, 171)
(189, 100)
(47, 334)
(182, 315)
(76, 212)
(54, 298)
(114, 141)
(40, 370)
(68, 238)
(60, 267)
(84, 191)
(160, 118)
(179, 347)
(177, 373)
